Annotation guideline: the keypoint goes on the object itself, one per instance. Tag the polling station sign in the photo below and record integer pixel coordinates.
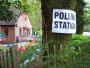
(64, 21)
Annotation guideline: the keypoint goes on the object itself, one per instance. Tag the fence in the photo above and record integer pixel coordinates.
(8, 58)
(69, 58)
(11, 58)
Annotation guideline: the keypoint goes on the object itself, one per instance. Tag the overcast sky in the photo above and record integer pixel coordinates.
(88, 2)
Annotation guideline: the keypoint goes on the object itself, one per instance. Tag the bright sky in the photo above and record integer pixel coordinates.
(88, 2)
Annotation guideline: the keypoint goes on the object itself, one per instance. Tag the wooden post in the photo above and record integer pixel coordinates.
(10, 58)
(15, 61)
(1, 62)
(4, 59)
(1, 59)
(7, 58)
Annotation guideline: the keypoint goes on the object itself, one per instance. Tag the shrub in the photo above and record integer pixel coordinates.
(79, 39)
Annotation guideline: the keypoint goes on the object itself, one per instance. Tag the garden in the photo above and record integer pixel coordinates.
(50, 50)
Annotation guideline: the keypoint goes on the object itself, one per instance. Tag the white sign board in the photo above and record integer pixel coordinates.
(64, 21)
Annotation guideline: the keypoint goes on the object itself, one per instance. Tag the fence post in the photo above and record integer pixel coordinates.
(15, 58)
(4, 59)
(7, 58)
(1, 59)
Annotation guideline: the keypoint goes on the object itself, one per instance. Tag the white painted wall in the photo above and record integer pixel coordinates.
(21, 22)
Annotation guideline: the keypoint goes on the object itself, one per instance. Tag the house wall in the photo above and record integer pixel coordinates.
(11, 33)
(24, 21)
(23, 25)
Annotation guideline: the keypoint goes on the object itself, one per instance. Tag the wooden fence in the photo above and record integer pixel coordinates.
(8, 58)
(11, 59)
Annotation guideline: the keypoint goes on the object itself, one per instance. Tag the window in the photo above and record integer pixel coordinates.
(20, 31)
(25, 19)
(24, 31)
(6, 31)
(28, 32)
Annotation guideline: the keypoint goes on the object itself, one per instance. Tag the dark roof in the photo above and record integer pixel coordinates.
(16, 13)
(7, 23)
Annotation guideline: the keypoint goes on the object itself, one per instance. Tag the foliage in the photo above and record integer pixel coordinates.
(74, 55)
(87, 27)
(77, 54)
(79, 46)
(78, 39)
(39, 32)
(5, 13)
(32, 8)
(87, 17)
(72, 52)
(87, 12)
(80, 16)
(31, 53)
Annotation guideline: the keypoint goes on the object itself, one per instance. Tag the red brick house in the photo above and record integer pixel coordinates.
(17, 31)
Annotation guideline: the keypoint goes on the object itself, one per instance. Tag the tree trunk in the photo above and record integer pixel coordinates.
(55, 41)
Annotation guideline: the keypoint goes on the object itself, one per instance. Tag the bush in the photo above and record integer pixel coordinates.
(76, 55)
(79, 39)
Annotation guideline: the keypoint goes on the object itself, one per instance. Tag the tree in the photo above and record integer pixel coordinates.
(87, 17)
(5, 13)
(56, 42)
(80, 16)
